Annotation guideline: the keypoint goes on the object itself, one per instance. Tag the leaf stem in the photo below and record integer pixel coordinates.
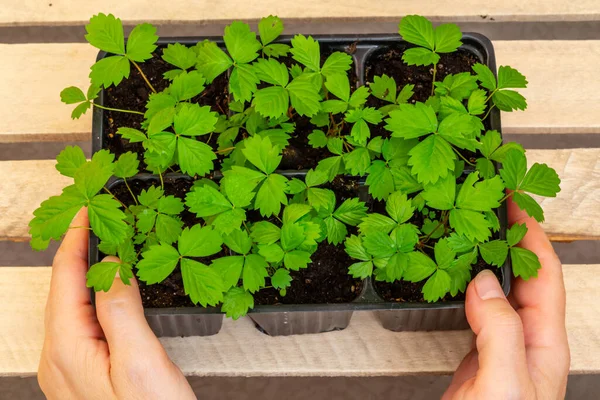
(246, 226)
(463, 157)
(118, 109)
(488, 112)
(506, 197)
(491, 94)
(130, 191)
(81, 227)
(143, 76)
(114, 197)
(225, 150)
(162, 183)
(433, 81)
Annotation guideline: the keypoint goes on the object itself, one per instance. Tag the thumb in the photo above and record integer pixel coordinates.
(500, 343)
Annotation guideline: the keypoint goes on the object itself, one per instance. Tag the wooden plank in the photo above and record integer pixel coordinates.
(561, 78)
(38, 12)
(363, 349)
(570, 216)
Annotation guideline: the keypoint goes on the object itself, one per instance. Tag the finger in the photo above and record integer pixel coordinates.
(466, 371)
(499, 333)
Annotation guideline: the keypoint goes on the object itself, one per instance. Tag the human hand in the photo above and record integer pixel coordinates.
(107, 352)
(520, 348)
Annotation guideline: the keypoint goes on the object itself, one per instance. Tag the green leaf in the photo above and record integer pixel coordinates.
(358, 161)
(72, 95)
(195, 158)
(238, 241)
(281, 279)
(494, 252)
(237, 302)
(480, 196)
(106, 219)
(262, 154)
(444, 254)
(294, 212)
(476, 102)
(486, 168)
(515, 234)
(53, 217)
(229, 221)
(159, 102)
(420, 56)
(490, 141)
(271, 195)
(242, 82)
(380, 180)
(264, 232)
(460, 243)
(255, 271)
(336, 145)
(514, 168)
(295, 186)
(460, 272)
(330, 166)
(170, 205)
(101, 275)
(168, 228)
(417, 30)
(230, 269)
(157, 263)
(395, 268)
(361, 270)
(199, 241)
(436, 286)
(69, 160)
(405, 94)
(241, 42)
(376, 222)
(384, 88)
(105, 32)
(528, 203)
(146, 220)
(351, 211)
(541, 180)
(109, 71)
(141, 42)
(412, 121)
(150, 196)
(509, 100)
(459, 86)
(306, 51)
(355, 248)
(406, 237)
(420, 267)
(205, 201)
(127, 165)
(471, 224)
(431, 159)
(187, 86)
(399, 207)
(336, 230)
(180, 56)
(320, 199)
(379, 244)
(269, 28)
(193, 120)
(80, 110)
(337, 63)
(339, 85)
(272, 101)
(447, 38)
(304, 96)
(510, 78)
(238, 190)
(296, 260)
(441, 194)
(485, 76)
(317, 139)
(359, 97)
(292, 236)
(203, 284)
(271, 71)
(212, 61)
(525, 263)
(273, 253)
(500, 154)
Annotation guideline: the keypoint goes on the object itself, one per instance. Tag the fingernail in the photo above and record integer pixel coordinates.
(487, 285)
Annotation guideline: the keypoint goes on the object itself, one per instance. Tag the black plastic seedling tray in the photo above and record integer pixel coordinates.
(315, 318)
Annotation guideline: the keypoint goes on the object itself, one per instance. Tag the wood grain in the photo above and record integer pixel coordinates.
(572, 215)
(38, 12)
(363, 349)
(562, 90)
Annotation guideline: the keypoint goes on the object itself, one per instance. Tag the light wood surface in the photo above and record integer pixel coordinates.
(562, 95)
(572, 215)
(40, 12)
(363, 349)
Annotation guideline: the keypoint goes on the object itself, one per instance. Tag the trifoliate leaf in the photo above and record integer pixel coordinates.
(69, 160)
(80, 110)
(105, 32)
(447, 38)
(269, 28)
(494, 252)
(141, 42)
(459, 86)
(515, 234)
(212, 61)
(195, 158)
(330, 167)
(510, 78)
(480, 196)
(357, 161)
(262, 154)
(296, 260)
(380, 180)
(199, 241)
(431, 159)
(255, 272)
(304, 95)
(384, 88)
(230, 269)
(271, 195)
(528, 203)
(485, 76)
(180, 56)
(437, 286)
(168, 228)
(471, 224)
(109, 71)
(306, 51)
(241, 42)
(420, 56)
(509, 100)
(420, 266)
(157, 263)
(525, 263)
(337, 63)
(412, 121)
(339, 85)
(186, 86)
(441, 194)
(476, 103)
(127, 165)
(202, 283)
(417, 30)
(264, 232)
(336, 230)
(237, 302)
